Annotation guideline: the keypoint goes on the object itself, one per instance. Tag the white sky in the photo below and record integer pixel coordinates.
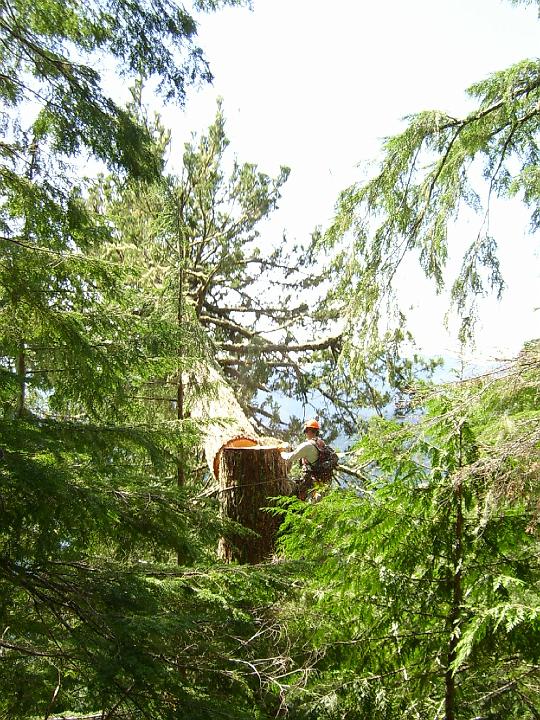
(316, 85)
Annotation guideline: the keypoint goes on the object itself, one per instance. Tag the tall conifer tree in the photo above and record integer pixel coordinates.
(423, 598)
(95, 614)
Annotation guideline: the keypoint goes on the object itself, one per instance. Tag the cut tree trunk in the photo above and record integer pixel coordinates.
(248, 478)
(247, 469)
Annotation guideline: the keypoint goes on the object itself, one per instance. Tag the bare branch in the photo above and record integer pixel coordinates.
(331, 342)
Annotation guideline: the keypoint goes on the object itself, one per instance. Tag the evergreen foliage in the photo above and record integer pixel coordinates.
(433, 171)
(96, 614)
(262, 305)
(416, 597)
(423, 591)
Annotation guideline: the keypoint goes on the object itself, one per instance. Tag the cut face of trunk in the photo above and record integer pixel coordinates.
(248, 478)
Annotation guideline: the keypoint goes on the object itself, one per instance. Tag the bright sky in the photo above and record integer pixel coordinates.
(316, 85)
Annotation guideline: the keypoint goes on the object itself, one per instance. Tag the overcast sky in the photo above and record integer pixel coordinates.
(316, 85)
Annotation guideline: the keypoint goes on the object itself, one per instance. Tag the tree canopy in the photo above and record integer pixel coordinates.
(108, 603)
(414, 591)
(196, 237)
(422, 598)
(437, 166)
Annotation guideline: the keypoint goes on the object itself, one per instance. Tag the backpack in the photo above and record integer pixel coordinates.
(323, 468)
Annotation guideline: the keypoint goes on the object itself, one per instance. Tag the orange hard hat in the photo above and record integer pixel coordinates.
(312, 424)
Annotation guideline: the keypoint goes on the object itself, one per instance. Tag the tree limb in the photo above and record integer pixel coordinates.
(331, 342)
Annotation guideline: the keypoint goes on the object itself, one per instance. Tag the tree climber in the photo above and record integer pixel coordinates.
(318, 461)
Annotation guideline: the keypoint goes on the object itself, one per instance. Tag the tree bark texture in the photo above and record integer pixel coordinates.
(248, 470)
(248, 477)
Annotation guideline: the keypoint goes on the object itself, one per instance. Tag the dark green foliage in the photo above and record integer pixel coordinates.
(91, 525)
(424, 586)
(423, 597)
(108, 600)
(149, 641)
(48, 60)
(92, 601)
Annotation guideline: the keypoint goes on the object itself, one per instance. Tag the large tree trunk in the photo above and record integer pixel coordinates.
(248, 470)
(223, 422)
(248, 478)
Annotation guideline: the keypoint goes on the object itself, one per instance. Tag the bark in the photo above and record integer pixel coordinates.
(248, 470)
(248, 478)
